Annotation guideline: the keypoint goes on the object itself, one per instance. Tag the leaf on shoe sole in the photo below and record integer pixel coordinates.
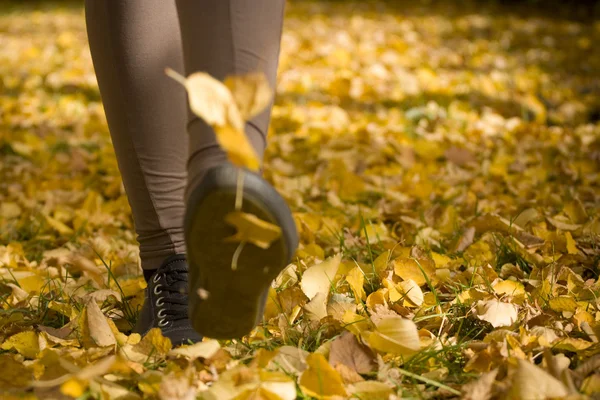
(252, 229)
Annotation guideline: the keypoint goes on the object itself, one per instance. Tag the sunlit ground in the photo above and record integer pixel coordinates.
(448, 151)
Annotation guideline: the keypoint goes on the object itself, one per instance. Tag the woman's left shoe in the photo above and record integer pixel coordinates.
(166, 303)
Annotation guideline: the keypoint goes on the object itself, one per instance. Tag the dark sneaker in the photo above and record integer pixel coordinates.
(227, 303)
(166, 303)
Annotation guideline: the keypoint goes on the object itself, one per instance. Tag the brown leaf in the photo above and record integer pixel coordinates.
(346, 349)
(480, 389)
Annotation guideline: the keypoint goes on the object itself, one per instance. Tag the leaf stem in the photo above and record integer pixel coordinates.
(171, 73)
(239, 193)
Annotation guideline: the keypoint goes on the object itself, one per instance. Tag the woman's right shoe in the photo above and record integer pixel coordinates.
(227, 303)
(166, 303)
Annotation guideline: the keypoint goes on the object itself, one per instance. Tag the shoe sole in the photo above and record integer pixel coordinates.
(225, 303)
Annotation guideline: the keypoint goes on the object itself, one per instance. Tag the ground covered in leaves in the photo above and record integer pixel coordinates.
(442, 162)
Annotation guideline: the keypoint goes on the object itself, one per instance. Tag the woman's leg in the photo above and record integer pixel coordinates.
(132, 42)
(228, 37)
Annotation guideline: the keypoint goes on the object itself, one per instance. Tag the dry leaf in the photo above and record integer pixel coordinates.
(497, 312)
(356, 280)
(317, 307)
(320, 380)
(348, 351)
(319, 277)
(205, 349)
(419, 270)
(97, 324)
(26, 343)
(251, 229)
(412, 292)
(532, 382)
(252, 93)
(480, 389)
(212, 101)
(395, 335)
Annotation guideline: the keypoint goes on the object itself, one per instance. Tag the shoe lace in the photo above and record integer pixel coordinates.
(172, 291)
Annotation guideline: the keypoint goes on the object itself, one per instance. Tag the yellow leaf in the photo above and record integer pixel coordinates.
(320, 379)
(59, 226)
(412, 292)
(251, 92)
(395, 335)
(571, 245)
(252, 229)
(497, 312)
(572, 344)
(356, 280)
(316, 309)
(563, 303)
(440, 260)
(355, 323)
(415, 269)
(26, 343)
(212, 101)
(370, 390)
(73, 387)
(204, 349)
(376, 298)
(532, 382)
(239, 150)
(99, 328)
(9, 210)
(591, 385)
(318, 278)
(509, 288)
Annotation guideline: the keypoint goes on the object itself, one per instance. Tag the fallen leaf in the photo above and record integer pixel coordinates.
(532, 382)
(97, 324)
(419, 270)
(318, 278)
(204, 349)
(346, 350)
(497, 312)
(395, 335)
(25, 343)
(317, 307)
(412, 293)
(481, 388)
(356, 280)
(320, 380)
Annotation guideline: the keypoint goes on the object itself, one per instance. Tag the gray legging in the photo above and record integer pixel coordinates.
(132, 41)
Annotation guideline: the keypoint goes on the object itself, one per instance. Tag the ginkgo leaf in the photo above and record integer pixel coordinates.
(370, 390)
(252, 229)
(532, 382)
(212, 101)
(205, 349)
(320, 380)
(497, 312)
(251, 92)
(356, 280)
(419, 270)
(347, 350)
(412, 291)
(26, 343)
(318, 278)
(316, 309)
(395, 335)
(98, 327)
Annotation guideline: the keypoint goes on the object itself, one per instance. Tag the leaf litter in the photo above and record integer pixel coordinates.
(442, 166)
